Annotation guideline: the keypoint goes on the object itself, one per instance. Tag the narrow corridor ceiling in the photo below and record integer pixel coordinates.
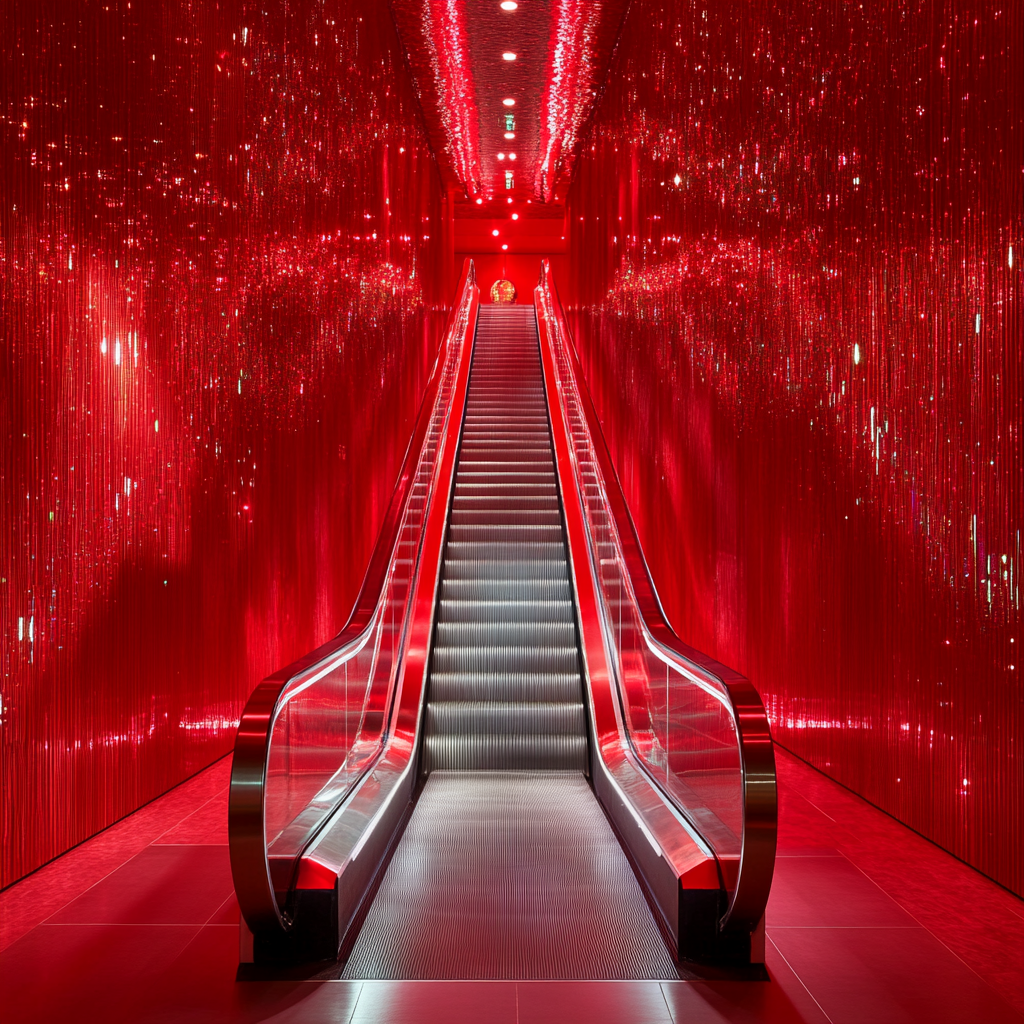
(506, 88)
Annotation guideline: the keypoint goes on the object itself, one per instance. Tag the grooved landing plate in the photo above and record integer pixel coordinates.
(509, 875)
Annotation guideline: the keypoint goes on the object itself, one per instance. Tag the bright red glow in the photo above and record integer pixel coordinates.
(434, 33)
(581, 36)
(189, 501)
(799, 305)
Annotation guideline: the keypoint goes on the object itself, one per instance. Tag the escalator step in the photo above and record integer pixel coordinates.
(505, 685)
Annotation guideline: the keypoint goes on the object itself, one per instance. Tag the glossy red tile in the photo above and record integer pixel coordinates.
(782, 1000)
(161, 885)
(812, 892)
(979, 921)
(227, 913)
(53, 886)
(198, 987)
(436, 1002)
(86, 973)
(206, 825)
(895, 975)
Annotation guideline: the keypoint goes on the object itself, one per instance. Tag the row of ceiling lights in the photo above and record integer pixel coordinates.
(509, 56)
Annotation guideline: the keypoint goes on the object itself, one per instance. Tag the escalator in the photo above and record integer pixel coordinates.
(506, 766)
(524, 868)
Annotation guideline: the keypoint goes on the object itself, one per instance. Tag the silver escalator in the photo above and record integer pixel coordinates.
(508, 867)
(506, 765)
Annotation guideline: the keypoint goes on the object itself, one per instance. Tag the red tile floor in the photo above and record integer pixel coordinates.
(867, 922)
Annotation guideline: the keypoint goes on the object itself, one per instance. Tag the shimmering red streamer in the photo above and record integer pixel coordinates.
(218, 241)
(796, 237)
(446, 30)
(567, 96)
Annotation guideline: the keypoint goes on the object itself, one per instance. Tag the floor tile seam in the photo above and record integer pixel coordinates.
(817, 808)
(893, 824)
(123, 924)
(505, 981)
(803, 983)
(89, 889)
(204, 804)
(668, 1005)
(355, 1002)
(824, 855)
(847, 927)
(107, 833)
(208, 924)
(223, 903)
(936, 937)
(171, 845)
(508, 981)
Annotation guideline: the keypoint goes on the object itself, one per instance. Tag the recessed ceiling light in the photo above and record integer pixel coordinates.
(508, 5)
(508, 55)
(495, 232)
(509, 198)
(509, 102)
(501, 156)
(511, 156)
(504, 247)
(479, 202)
(515, 216)
(510, 135)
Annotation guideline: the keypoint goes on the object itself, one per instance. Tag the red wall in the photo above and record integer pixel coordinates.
(216, 245)
(791, 235)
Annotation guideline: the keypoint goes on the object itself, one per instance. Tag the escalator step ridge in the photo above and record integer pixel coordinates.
(505, 685)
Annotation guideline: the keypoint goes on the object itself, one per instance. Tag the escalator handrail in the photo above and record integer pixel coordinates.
(250, 865)
(757, 757)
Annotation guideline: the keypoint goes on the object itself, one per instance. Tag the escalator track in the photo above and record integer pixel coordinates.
(508, 867)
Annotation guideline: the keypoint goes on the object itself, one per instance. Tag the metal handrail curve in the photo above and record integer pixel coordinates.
(250, 864)
(757, 756)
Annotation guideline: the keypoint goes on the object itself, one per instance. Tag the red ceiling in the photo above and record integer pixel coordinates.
(455, 48)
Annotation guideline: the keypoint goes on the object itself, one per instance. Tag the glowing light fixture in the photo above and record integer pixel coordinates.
(508, 55)
(495, 232)
(508, 5)
(510, 135)
(515, 216)
(509, 102)
(509, 180)
(479, 202)
(511, 156)
(501, 156)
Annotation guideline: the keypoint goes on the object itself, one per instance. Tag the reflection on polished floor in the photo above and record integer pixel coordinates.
(867, 921)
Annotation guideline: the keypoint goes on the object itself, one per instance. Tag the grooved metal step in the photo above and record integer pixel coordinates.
(528, 686)
(505, 684)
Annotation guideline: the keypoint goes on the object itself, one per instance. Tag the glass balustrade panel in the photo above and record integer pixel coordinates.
(679, 717)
